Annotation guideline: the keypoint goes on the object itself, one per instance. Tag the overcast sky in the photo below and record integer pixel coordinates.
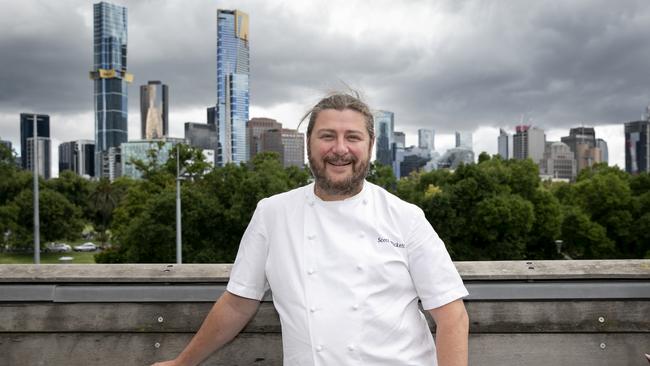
(448, 65)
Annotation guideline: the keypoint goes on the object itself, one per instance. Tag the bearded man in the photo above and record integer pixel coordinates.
(347, 263)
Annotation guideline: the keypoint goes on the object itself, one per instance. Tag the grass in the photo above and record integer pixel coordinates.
(48, 258)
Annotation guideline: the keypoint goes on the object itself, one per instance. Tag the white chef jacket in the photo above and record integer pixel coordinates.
(346, 276)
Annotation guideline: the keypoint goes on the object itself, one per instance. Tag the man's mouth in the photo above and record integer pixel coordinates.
(339, 163)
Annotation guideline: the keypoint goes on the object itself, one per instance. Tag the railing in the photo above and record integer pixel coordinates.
(521, 313)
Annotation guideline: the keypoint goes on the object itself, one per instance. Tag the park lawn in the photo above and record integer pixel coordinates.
(48, 258)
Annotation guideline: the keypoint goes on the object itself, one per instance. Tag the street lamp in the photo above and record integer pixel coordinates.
(179, 176)
(37, 228)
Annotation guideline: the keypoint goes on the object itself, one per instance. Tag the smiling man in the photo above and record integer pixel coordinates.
(347, 263)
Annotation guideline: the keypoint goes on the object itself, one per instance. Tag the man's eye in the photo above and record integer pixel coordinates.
(354, 138)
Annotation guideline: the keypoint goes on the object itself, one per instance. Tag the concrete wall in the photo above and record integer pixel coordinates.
(521, 313)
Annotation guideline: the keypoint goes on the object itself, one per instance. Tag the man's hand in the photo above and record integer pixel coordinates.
(227, 318)
(452, 332)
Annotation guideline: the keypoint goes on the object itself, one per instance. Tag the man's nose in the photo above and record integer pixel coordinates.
(341, 146)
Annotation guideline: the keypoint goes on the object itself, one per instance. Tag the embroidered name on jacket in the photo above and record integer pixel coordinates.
(381, 240)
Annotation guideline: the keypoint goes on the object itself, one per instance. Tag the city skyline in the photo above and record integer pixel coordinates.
(576, 64)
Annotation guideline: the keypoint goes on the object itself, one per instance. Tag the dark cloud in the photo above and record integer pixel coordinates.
(449, 65)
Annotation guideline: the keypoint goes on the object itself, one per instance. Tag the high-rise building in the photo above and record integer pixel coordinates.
(66, 155)
(154, 110)
(604, 151)
(452, 158)
(426, 139)
(289, 143)
(78, 156)
(503, 144)
(384, 136)
(110, 79)
(582, 141)
(44, 157)
(400, 139)
(254, 130)
(464, 139)
(559, 161)
(528, 142)
(110, 164)
(637, 147)
(233, 69)
(580, 135)
(27, 132)
(139, 150)
(203, 136)
(415, 159)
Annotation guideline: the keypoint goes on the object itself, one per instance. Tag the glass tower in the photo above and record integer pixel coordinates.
(384, 130)
(233, 69)
(154, 110)
(637, 147)
(110, 78)
(44, 157)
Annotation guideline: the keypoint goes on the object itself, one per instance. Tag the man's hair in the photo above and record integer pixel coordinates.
(341, 101)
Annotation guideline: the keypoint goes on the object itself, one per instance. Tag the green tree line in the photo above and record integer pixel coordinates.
(493, 210)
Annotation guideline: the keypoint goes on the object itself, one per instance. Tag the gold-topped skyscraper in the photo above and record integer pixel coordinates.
(110, 78)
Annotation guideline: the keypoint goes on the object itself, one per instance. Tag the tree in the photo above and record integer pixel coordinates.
(546, 225)
(583, 238)
(59, 218)
(216, 209)
(382, 175)
(607, 197)
(75, 189)
(501, 227)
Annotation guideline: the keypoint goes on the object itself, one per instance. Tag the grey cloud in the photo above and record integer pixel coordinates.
(560, 63)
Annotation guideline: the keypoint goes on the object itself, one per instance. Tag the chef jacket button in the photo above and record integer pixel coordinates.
(319, 348)
(355, 307)
(362, 235)
(310, 271)
(311, 203)
(311, 237)
(312, 309)
(359, 267)
(351, 347)
(365, 201)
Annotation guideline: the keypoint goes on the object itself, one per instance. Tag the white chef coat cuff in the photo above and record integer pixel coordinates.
(444, 299)
(244, 291)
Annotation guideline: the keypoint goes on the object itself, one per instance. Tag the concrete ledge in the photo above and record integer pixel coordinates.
(534, 313)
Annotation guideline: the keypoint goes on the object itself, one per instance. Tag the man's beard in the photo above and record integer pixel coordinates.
(350, 185)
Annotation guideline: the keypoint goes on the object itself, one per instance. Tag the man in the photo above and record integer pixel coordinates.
(346, 261)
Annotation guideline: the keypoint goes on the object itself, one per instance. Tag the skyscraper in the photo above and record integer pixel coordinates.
(464, 139)
(254, 130)
(233, 69)
(27, 132)
(637, 147)
(559, 161)
(110, 79)
(203, 136)
(78, 156)
(528, 142)
(384, 132)
(44, 157)
(154, 110)
(604, 150)
(289, 143)
(503, 144)
(582, 141)
(426, 139)
(399, 138)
